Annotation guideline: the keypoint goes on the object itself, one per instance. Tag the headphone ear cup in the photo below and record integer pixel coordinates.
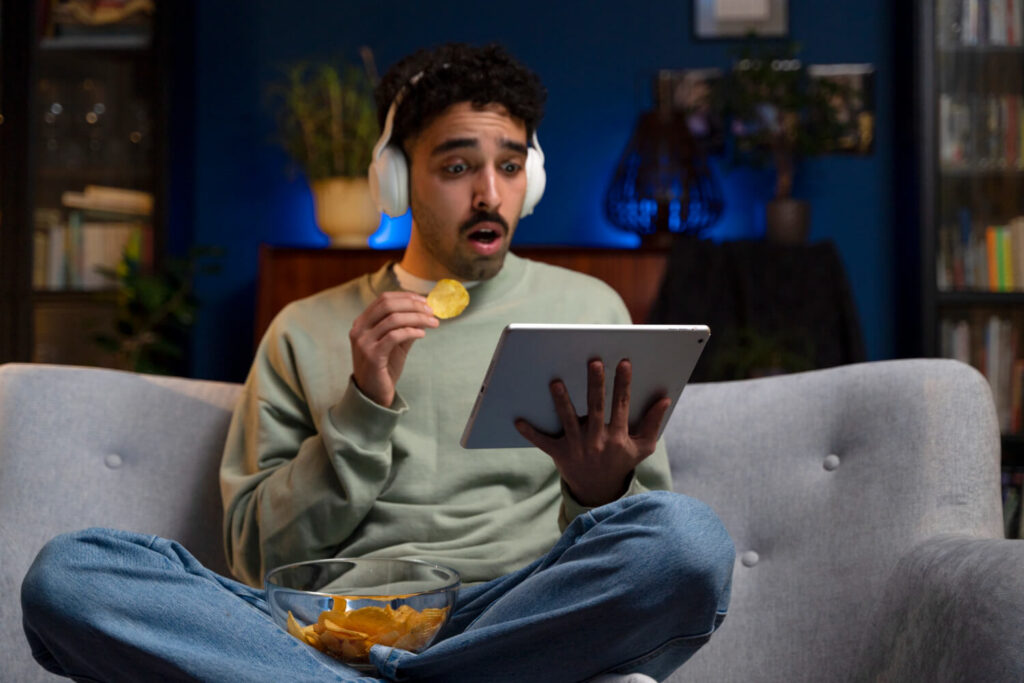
(536, 180)
(389, 182)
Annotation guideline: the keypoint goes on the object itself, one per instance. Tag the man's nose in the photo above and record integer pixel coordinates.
(485, 190)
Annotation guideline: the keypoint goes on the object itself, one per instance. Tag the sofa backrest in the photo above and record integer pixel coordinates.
(824, 480)
(83, 447)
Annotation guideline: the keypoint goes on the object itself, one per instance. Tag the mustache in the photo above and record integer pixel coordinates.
(483, 217)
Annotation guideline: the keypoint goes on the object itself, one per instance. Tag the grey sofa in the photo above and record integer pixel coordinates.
(864, 502)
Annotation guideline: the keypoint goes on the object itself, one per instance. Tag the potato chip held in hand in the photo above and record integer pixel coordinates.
(448, 298)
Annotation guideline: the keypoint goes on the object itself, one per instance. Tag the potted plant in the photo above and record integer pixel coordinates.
(778, 114)
(156, 309)
(746, 352)
(328, 125)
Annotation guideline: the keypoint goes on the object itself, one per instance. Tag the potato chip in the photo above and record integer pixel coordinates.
(348, 634)
(387, 639)
(293, 626)
(314, 640)
(448, 298)
(371, 620)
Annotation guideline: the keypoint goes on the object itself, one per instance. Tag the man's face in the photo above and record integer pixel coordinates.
(467, 184)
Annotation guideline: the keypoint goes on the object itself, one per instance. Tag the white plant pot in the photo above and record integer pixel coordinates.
(344, 210)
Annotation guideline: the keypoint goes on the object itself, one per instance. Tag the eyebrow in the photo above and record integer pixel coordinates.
(460, 143)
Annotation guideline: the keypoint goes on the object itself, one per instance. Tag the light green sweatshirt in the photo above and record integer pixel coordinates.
(313, 469)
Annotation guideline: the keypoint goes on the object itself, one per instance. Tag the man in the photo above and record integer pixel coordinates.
(345, 443)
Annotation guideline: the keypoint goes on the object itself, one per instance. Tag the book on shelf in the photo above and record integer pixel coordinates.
(973, 256)
(977, 23)
(992, 247)
(70, 256)
(981, 132)
(103, 246)
(992, 344)
(92, 232)
(47, 231)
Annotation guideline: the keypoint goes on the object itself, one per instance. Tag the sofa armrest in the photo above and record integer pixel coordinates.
(952, 610)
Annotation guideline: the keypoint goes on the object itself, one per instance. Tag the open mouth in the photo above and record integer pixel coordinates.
(484, 235)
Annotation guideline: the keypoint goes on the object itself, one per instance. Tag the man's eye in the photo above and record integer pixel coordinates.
(455, 169)
(511, 167)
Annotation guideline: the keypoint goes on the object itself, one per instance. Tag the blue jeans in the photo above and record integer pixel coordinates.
(634, 586)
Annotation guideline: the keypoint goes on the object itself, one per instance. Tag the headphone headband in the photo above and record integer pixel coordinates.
(389, 120)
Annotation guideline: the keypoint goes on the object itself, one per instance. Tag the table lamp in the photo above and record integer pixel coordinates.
(662, 185)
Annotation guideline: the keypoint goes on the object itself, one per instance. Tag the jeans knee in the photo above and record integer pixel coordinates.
(691, 555)
(57, 578)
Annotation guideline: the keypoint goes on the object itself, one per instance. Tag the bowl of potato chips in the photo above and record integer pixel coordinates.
(343, 607)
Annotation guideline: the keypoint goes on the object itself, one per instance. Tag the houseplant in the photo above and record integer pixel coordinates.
(777, 114)
(746, 352)
(327, 123)
(156, 309)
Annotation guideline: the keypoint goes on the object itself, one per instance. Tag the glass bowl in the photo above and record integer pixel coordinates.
(343, 607)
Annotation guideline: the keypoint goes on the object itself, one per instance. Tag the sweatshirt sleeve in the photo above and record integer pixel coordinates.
(291, 491)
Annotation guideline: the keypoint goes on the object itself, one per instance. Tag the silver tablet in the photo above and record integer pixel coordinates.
(528, 358)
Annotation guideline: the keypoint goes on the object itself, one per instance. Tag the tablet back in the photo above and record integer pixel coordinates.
(528, 358)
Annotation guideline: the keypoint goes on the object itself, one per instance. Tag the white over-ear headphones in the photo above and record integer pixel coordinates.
(389, 170)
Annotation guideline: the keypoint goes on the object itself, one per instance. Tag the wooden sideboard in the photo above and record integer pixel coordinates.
(290, 273)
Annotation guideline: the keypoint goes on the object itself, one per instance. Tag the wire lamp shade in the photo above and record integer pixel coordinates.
(662, 184)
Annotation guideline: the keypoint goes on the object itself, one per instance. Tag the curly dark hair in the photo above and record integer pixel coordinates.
(456, 72)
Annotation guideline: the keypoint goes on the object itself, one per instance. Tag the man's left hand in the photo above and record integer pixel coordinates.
(597, 459)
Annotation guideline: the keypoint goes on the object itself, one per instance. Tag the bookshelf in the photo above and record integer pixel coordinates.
(88, 124)
(969, 95)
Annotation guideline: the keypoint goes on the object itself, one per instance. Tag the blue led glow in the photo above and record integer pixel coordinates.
(393, 233)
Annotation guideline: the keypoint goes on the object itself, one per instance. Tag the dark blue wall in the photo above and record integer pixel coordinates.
(597, 59)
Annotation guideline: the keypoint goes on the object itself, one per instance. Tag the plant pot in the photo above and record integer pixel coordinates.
(344, 210)
(787, 221)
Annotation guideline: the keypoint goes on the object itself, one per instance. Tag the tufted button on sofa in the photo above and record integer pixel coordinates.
(864, 503)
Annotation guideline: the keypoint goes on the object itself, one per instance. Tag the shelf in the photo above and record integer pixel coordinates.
(84, 173)
(966, 50)
(975, 173)
(134, 66)
(979, 298)
(44, 296)
(129, 42)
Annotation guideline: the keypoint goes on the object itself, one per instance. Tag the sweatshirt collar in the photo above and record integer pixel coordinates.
(483, 294)
(419, 285)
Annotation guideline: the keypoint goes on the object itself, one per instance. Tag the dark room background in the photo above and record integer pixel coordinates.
(232, 186)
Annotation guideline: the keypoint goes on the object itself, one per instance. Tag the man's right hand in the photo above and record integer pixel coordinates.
(381, 337)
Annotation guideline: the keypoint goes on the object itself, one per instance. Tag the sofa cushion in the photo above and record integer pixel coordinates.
(84, 447)
(825, 480)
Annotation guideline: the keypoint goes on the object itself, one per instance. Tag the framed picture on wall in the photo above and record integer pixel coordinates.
(853, 104)
(714, 19)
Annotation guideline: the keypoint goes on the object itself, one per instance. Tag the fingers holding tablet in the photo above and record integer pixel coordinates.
(595, 457)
